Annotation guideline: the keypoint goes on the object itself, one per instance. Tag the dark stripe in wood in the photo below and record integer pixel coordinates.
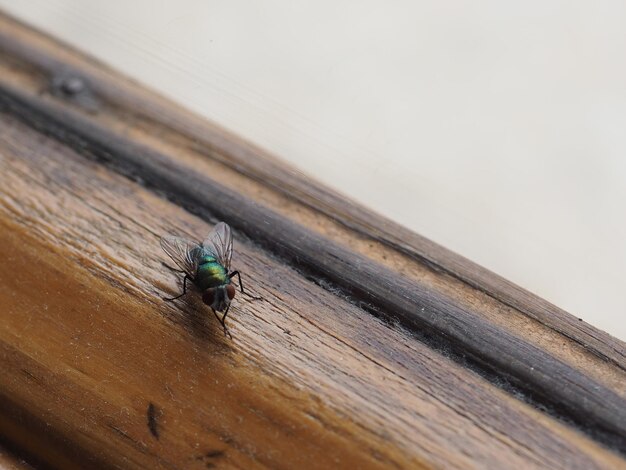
(417, 307)
(151, 415)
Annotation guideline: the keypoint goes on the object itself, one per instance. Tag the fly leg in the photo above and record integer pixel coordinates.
(172, 268)
(184, 290)
(223, 321)
(236, 273)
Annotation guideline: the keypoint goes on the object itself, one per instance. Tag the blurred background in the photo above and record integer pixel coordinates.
(495, 128)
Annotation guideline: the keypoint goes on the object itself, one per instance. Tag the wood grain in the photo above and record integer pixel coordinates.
(54, 68)
(360, 354)
(9, 460)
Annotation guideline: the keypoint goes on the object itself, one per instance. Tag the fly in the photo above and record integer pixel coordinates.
(207, 266)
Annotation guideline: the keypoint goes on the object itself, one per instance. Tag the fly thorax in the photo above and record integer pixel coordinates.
(211, 274)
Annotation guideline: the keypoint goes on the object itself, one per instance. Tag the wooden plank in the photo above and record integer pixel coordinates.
(312, 377)
(417, 305)
(183, 134)
(56, 67)
(309, 378)
(9, 460)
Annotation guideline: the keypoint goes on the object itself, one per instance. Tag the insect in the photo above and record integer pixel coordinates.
(207, 266)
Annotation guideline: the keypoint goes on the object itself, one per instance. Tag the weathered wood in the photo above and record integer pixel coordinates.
(56, 70)
(312, 378)
(417, 305)
(9, 460)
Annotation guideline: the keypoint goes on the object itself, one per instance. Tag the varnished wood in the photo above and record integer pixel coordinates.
(101, 370)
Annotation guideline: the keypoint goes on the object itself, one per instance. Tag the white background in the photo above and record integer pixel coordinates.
(495, 128)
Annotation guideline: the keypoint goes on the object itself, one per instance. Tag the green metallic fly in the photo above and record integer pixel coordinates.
(207, 265)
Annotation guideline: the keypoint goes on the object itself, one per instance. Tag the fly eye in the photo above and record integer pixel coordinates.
(208, 296)
(230, 290)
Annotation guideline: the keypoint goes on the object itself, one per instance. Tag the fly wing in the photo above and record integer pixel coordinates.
(183, 252)
(220, 243)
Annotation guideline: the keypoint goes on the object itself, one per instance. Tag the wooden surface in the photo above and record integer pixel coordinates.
(371, 347)
(9, 460)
